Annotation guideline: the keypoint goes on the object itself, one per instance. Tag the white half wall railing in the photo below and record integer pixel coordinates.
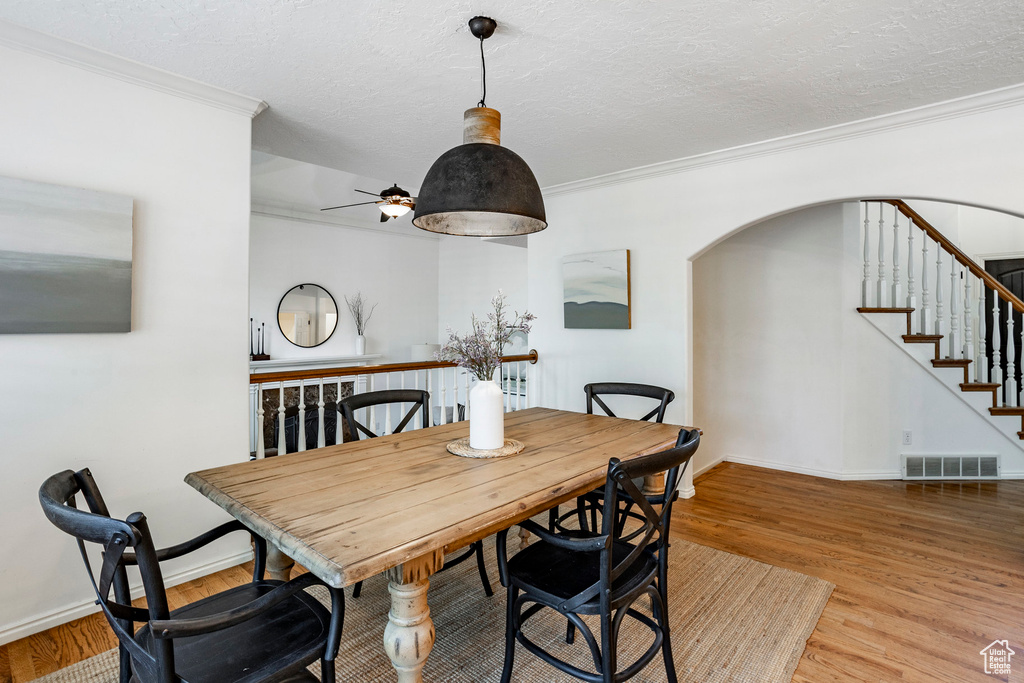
(978, 318)
(316, 392)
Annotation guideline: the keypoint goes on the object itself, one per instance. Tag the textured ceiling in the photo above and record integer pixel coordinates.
(584, 87)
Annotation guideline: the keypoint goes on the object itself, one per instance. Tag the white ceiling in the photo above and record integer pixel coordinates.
(585, 87)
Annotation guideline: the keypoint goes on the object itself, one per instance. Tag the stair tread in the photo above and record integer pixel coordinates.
(979, 386)
(868, 309)
(951, 362)
(1007, 410)
(922, 338)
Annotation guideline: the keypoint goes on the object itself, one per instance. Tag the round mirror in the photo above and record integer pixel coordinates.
(307, 315)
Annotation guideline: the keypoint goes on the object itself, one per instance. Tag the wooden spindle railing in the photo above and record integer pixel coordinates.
(964, 324)
(449, 395)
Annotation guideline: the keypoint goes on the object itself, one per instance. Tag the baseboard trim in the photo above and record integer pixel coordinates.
(810, 471)
(28, 627)
(702, 470)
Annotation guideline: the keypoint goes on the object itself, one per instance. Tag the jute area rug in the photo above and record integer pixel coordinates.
(733, 619)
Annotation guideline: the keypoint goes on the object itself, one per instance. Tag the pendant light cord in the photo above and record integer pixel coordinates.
(483, 79)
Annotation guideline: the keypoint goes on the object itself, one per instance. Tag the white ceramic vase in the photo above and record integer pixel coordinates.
(486, 416)
(360, 345)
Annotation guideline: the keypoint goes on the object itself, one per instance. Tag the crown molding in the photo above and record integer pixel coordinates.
(302, 214)
(962, 106)
(75, 54)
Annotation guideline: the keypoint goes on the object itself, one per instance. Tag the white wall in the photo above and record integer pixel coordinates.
(140, 409)
(396, 272)
(965, 157)
(787, 374)
(470, 273)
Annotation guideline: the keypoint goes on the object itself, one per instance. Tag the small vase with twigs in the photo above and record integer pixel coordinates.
(357, 308)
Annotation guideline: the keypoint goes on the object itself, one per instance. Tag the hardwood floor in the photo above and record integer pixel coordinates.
(926, 574)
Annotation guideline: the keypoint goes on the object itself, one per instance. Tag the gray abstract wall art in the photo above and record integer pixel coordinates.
(65, 259)
(596, 290)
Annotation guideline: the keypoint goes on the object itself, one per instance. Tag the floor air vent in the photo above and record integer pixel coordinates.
(950, 466)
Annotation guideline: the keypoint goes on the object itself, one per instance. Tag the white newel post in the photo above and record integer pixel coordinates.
(981, 372)
(969, 328)
(895, 298)
(938, 289)
(487, 424)
(911, 295)
(881, 293)
(997, 368)
(954, 318)
(866, 282)
(926, 316)
(1010, 392)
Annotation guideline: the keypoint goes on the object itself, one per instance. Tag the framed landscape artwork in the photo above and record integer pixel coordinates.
(65, 259)
(596, 290)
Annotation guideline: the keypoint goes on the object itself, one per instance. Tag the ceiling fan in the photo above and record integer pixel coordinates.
(393, 202)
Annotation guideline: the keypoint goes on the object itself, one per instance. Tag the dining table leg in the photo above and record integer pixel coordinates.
(409, 634)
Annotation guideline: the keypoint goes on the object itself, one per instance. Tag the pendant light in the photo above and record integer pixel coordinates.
(480, 188)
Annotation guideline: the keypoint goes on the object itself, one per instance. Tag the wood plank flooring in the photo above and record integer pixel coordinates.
(926, 574)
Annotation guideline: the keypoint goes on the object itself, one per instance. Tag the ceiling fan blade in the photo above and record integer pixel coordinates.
(374, 194)
(345, 206)
(384, 218)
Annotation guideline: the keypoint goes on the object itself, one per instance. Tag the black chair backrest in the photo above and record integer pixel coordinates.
(348, 407)
(595, 390)
(654, 528)
(57, 496)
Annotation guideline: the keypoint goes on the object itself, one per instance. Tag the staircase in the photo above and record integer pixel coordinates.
(950, 339)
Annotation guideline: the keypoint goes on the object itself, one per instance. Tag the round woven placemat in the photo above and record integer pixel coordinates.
(461, 447)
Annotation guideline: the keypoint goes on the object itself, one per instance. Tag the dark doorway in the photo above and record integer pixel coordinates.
(1010, 273)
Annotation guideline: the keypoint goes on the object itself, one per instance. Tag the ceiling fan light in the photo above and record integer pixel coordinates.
(395, 210)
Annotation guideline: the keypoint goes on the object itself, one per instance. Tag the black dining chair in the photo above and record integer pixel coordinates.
(420, 401)
(601, 573)
(260, 631)
(592, 501)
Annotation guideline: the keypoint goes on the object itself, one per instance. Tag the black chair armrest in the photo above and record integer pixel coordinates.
(562, 541)
(190, 545)
(180, 628)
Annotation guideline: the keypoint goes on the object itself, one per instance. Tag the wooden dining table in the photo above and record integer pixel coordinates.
(396, 504)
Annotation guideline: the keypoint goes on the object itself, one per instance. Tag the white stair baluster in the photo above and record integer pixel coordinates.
(455, 395)
(866, 281)
(997, 369)
(418, 422)
(882, 293)
(954, 318)
(896, 258)
(981, 371)
(260, 427)
(339, 429)
(911, 294)
(444, 398)
(371, 412)
(430, 401)
(926, 315)
(321, 432)
(519, 386)
(938, 289)
(1010, 391)
(281, 449)
(302, 415)
(968, 352)
(387, 408)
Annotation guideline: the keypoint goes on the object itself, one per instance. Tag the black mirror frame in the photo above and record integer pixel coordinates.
(333, 300)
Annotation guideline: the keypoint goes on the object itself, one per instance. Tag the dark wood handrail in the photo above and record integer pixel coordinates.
(348, 370)
(960, 256)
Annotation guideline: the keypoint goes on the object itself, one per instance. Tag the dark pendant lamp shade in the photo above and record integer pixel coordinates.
(480, 189)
